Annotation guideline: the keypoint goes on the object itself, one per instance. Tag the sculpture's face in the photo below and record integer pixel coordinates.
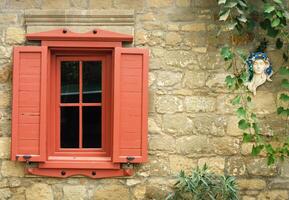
(259, 66)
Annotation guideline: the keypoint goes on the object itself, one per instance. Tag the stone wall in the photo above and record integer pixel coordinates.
(191, 121)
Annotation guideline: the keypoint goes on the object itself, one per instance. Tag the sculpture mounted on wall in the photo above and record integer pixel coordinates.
(259, 69)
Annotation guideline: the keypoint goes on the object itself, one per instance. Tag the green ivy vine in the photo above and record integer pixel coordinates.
(268, 20)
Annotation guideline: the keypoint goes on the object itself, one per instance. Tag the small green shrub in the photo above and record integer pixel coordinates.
(204, 185)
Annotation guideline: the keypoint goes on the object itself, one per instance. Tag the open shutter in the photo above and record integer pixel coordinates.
(29, 103)
(130, 105)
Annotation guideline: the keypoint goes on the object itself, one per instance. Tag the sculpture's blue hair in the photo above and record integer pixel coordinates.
(250, 61)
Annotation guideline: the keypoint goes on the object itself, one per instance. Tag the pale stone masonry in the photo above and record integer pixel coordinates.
(191, 121)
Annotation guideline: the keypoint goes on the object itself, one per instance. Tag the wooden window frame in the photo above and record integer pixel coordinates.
(106, 46)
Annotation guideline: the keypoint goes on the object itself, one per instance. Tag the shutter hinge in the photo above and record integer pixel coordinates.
(27, 158)
(129, 159)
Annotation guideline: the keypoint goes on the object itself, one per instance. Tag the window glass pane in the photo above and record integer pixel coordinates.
(91, 127)
(91, 81)
(69, 82)
(69, 133)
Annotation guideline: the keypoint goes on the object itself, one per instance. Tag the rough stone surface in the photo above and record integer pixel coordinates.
(10, 168)
(39, 191)
(109, 192)
(200, 104)
(191, 119)
(251, 184)
(15, 35)
(74, 192)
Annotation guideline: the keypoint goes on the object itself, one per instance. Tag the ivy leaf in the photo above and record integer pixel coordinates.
(242, 18)
(284, 97)
(254, 116)
(270, 159)
(247, 137)
(276, 22)
(269, 149)
(224, 15)
(226, 53)
(268, 8)
(278, 1)
(279, 43)
(249, 99)
(231, 4)
(272, 32)
(285, 84)
(236, 100)
(241, 112)
(231, 26)
(285, 57)
(256, 150)
(243, 3)
(243, 124)
(230, 81)
(283, 71)
(221, 1)
(280, 110)
(256, 128)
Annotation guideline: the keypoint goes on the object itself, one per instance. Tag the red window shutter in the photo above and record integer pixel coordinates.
(130, 105)
(29, 103)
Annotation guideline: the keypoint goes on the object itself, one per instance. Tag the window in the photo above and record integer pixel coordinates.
(79, 104)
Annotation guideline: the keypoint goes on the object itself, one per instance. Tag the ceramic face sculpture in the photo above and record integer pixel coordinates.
(259, 69)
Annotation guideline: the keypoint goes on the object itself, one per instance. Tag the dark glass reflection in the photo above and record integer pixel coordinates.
(91, 81)
(69, 133)
(91, 127)
(69, 82)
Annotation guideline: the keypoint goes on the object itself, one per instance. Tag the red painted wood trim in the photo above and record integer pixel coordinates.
(93, 35)
(43, 50)
(64, 173)
(83, 44)
(117, 132)
(70, 164)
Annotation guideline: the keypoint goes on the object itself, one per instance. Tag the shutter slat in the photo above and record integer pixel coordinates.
(130, 105)
(29, 103)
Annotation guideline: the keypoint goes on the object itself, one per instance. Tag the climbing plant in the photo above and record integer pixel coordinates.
(267, 21)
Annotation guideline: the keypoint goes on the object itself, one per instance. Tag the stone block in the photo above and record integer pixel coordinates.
(194, 27)
(5, 193)
(7, 18)
(173, 38)
(259, 167)
(208, 124)
(153, 128)
(167, 78)
(5, 100)
(39, 191)
(5, 73)
(161, 142)
(200, 104)
(225, 145)
(55, 4)
(180, 59)
(193, 145)
(216, 80)
(129, 4)
(168, 104)
(5, 147)
(12, 169)
(177, 123)
(100, 4)
(15, 35)
(279, 184)
(232, 127)
(284, 168)
(195, 79)
(159, 3)
(235, 166)
(74, 192)
(274, 195)
(183, 3)
(109, 192)
(139, 192)
(251, 184)
(178, 163)
(264, 102)
(215, 164)
(23, 4)
(79, 3)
